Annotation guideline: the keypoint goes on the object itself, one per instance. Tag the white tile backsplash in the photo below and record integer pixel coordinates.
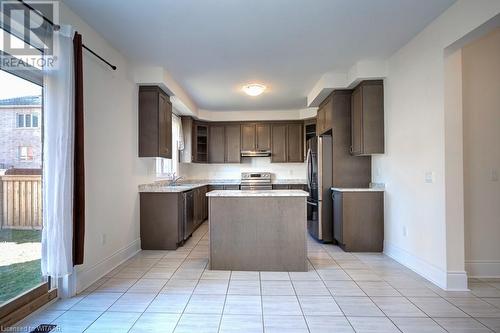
(248, 164)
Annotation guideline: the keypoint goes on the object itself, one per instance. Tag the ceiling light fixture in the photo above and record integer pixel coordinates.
(254, 89)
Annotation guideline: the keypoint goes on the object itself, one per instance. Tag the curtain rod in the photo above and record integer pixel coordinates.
(56, 27)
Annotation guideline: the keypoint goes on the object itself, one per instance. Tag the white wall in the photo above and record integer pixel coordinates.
(481, 115)
(233, 171)
(415, 223)
(113, 169)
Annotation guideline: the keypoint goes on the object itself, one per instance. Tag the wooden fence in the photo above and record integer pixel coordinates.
(20, 202)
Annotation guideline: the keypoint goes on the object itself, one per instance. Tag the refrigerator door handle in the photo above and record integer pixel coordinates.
(309, 168)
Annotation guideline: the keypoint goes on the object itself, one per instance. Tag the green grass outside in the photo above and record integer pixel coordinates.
(20, 236)
(18, 278)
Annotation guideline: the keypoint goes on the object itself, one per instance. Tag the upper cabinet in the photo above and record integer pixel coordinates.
(232, 152)
(287, 143)
(155, 123)
(278, 145)
(263, 136)
(248, 137)
(256, 137)
(367, 118)
(295, 143)
(223, 143)
(200, 142)
(324, 117)
(216, 139)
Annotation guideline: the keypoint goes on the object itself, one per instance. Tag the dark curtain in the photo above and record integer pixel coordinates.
(79, 165)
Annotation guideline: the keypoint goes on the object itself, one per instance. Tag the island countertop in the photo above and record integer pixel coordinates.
(257, 230)
(258, 193)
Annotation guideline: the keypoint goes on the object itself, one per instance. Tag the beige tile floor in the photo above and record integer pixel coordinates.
(173, 291)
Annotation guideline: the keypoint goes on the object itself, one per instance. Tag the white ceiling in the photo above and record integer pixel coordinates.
(213, 47)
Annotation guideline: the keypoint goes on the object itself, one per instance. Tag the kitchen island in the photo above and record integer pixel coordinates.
(257, 230)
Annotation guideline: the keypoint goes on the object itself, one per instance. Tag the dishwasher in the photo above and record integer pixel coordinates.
(187, 214)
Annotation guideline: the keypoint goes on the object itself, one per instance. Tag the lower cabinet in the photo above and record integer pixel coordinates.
(223, 187)
(167, 219)
(302, 187)
(358, 220)
(200, 205)
(161, 221)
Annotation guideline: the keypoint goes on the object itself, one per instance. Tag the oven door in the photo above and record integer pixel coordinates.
(314, 218)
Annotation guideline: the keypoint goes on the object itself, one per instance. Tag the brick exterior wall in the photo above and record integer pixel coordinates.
(11, 138)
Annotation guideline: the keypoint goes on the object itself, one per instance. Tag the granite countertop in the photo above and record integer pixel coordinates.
(368, 189)
(262, 193)
(168, 189)
(190, 184)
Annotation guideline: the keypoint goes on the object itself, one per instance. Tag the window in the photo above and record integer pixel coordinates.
(25, 153)
(27, 120)
(165, 167)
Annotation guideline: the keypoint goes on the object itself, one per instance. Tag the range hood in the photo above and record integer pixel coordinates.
(255, 153)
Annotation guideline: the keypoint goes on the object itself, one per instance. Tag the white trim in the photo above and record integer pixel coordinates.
(456, 281)
(87, 276)
(444, 280)
(483, 268)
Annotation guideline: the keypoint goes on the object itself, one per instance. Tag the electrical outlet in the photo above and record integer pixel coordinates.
(103, 239)
(405, 231)
(429, 177)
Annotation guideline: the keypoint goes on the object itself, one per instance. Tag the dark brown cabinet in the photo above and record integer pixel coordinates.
(287, 144)
(255, 137)
(295, 143)
(347, 170)
(302, 187)
(216, 145)
(162, 225)
(324, 117)
(248, 137)
(367, 118)
(155, 123)
(161, 221)
(219, 142)
(200, 205)
(263, 134)
(233, 144)
(278, 143)
(223, 187)
(231, 187)
(200, 142)
(358, 220)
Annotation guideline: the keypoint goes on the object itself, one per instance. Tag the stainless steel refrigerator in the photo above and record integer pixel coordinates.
(319, 181)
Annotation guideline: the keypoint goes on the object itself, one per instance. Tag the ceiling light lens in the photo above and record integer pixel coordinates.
(254, 89)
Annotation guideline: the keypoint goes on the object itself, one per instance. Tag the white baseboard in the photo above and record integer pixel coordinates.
(87, 276)
(443, 279)
(483, 268)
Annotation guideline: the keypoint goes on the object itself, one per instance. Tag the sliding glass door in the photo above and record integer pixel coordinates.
(20, 185)
(21, 151)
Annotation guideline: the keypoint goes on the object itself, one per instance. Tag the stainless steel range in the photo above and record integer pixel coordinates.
(254, 181)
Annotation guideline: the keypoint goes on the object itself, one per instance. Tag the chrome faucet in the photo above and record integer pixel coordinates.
(174, 179)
